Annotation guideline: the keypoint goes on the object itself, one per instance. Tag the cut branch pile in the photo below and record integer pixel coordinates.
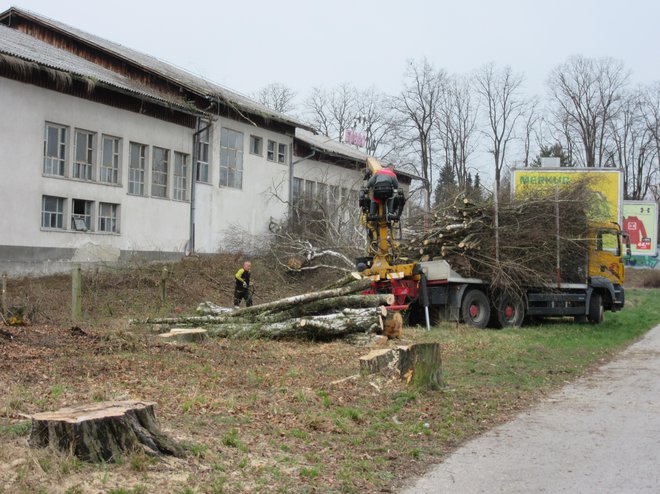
(325, 314)
(463, 234)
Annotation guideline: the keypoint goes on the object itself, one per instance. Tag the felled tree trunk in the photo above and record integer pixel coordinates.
(185, 334)
(325, 314)
(296, 300)
(327, 326)
(102, 431)
(420, 364)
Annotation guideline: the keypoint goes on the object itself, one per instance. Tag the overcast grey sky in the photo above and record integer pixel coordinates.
(247, 44)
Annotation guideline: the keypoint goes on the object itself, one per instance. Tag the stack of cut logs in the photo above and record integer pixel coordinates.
(530, 231)
(335, 312)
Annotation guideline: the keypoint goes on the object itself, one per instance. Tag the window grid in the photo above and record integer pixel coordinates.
(109, 169)
(231, 158)
(83, 165)
(52, 212)
(108, 217)
(159, 172)
(281, 153)
(256, 145)
(54, 149)
(270, 152)
(203, 157)
(180, 176)
(322, 194)
(137, 168)
(333, 197)
(81, 210)
(296, 193)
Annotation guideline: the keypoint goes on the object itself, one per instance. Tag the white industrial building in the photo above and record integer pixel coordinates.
(107, 153)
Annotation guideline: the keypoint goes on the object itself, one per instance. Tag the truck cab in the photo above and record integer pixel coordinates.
(608, 245)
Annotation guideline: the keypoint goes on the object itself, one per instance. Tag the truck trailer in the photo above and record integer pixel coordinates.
(585, 285)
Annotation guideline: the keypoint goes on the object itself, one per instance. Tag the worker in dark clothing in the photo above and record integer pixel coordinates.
(383, 184)
(242, 289)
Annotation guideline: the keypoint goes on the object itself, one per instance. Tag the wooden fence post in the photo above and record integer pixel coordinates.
(76, 293)
(3, 307)
(163, 285)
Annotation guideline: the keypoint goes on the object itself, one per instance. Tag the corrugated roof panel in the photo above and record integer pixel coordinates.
(164, 69)
(24, 47)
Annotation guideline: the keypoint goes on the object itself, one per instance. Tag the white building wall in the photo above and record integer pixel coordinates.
(317, 171)
(221, 210)
(147, 224)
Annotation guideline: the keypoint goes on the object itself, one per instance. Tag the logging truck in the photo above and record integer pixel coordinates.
(584, 287)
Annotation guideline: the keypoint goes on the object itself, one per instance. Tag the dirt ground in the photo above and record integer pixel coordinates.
(255, 416)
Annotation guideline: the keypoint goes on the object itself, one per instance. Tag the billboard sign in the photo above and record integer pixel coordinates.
(640, 221)
(606, 182)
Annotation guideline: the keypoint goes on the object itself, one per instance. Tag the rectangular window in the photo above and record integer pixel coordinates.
(52, 212)
(297, 191)
(55, 137)
(83, 163)
(333, 198)
(281, 153)
(203, 157)
(137, 166)
(231, 158)
(159, 171)
(310, 193)
(81, 215)
(256, 145)
(108, 217)
(270, 153)
(110, 155)
(354, 199)
(322, 194)
(180, 176)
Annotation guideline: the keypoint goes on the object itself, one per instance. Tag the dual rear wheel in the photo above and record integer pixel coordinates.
(509, 310)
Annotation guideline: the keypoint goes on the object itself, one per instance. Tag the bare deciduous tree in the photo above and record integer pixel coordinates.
(503, 106)
(332, 112)
(417, 109)
(633, 145)
(651, 115)
(456, 125)
(377, 122)
(587, 94)
(531, 126)
(277, 97)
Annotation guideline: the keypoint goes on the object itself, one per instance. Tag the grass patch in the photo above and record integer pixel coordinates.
(276, 416)
(16, 430)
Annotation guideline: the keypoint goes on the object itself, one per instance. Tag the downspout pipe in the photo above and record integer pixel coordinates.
(193, 183)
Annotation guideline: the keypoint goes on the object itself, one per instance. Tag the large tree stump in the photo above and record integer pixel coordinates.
(419, 363)
(102, 431)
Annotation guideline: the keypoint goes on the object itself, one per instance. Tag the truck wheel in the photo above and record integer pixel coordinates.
(596, 309)
(475, 309)
(510, 311)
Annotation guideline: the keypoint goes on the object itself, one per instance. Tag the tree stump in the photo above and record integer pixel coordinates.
(102, 431)
(419, 363)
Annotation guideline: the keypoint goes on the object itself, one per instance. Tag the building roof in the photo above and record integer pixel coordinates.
(330, 146)
(29, 49)
(55, 58)
(336, 149)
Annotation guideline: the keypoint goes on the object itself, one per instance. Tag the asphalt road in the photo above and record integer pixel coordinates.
(600, 434)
